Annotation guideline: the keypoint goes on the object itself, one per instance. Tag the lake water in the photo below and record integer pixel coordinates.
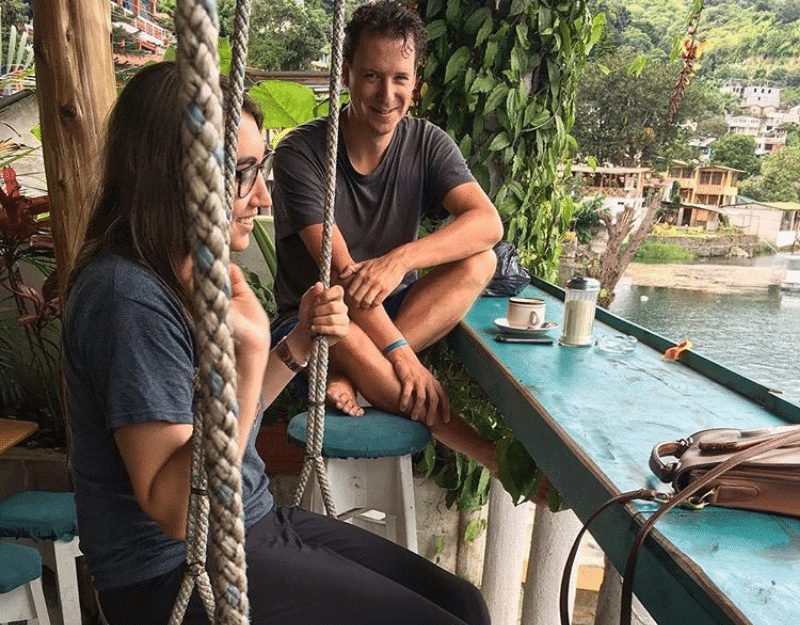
(756, 334)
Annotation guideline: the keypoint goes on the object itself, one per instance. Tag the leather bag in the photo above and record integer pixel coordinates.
(749, 469)
(767, 482)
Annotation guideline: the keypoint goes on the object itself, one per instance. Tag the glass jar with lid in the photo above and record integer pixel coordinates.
(580, 302)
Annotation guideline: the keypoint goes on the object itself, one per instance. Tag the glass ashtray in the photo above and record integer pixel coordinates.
(617, 344)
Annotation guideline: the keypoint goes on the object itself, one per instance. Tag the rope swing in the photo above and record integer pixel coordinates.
(215, 503)
(315, 426)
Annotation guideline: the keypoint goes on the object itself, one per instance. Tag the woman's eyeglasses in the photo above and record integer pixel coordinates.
(246, 178)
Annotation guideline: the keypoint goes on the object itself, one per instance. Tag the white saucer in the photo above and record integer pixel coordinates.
(501, 323)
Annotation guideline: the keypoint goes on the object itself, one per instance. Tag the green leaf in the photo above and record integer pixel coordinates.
(483, 83)
(495, 97)
(598, 24)
(469, 79)
(545, 18)
(436, 29)
(474, 529)
(517, 58)
(224, 49)
(511, 103)
(522, 36)
(477, 20)
(517, 189)
(485, 31)
(434, 6)
(439, 546)
(490, 54)
(517, 7)
(453, 13)
(266, 247)
(637, 65)
(500, 142)
(285, 104)
(456, 63)
(518, 472)
(36, 131)
(466, 146)
(427, 463)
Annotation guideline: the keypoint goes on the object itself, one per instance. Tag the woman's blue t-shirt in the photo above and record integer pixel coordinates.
(129, 357)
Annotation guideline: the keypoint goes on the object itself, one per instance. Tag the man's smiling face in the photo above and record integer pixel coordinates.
(381, 81)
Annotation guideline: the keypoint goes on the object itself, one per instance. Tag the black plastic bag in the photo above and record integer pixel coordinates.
(509, 276)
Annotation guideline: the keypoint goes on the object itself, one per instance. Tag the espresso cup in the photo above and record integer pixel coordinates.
(524, 312)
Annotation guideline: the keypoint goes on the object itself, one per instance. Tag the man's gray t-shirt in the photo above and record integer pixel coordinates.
(129, 358)
(375, 213)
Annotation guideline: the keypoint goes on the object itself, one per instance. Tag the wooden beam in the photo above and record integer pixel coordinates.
(75, 86)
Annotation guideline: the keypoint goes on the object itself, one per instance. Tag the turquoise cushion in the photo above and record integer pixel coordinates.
(18, 565)
(375, 434)
(39, 515)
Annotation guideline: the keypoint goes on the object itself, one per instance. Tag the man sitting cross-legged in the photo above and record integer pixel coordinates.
(392, 171)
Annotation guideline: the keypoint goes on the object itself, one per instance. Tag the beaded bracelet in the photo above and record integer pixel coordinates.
(393, 346)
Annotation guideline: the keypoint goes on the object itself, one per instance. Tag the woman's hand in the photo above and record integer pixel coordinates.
(250, 321)
(322, 311)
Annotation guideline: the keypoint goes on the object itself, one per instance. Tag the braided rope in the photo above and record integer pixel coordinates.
(315, 425)
(235, 95)
(216, 446)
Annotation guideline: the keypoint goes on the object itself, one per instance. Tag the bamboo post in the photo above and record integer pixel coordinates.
(75, 86)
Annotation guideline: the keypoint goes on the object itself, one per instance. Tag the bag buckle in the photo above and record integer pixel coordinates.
(697, 501)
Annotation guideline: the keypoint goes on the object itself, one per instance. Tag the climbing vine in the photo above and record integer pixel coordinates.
(500, 79)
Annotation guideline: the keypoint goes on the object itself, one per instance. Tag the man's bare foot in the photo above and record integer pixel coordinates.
(342, 395)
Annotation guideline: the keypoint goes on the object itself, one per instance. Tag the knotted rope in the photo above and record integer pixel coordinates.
(215, 503)
(315, 425)
(216, 483)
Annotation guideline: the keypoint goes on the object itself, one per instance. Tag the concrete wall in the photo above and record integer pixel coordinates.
(761, 221)
(713, 246)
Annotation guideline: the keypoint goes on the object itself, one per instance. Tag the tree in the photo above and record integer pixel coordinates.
(780, 179)
(285, 35)
(713, 126)
(621, 110)
(792, 134)
(737, 151)
(14, 13)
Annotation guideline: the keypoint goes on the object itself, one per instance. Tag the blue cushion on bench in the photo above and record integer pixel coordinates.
(18, 565)
(39, 515)
(375, 434)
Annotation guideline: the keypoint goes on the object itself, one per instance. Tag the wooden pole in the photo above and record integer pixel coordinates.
(75, 86)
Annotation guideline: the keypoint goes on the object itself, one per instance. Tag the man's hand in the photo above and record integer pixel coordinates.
(369, 282)
(421, 397)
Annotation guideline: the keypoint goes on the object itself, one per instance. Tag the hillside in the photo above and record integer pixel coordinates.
(745, 39)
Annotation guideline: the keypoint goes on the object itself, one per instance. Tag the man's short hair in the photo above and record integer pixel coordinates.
(386, 19)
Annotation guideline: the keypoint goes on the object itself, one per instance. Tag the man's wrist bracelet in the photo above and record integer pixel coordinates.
(285, 354)
(393, 346)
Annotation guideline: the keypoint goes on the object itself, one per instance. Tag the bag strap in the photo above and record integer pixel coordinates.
(641, 494)
(792, 436)
(668, 502)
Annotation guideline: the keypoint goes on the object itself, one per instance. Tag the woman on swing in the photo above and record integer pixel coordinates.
(130, 357)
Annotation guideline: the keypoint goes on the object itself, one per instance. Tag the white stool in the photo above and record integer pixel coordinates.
(21, 594)
(368, 463)
(47, 522)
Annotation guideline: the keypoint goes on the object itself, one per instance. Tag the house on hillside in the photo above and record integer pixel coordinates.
(712, 185)
(777, 223)
(147, 36)
(619, 186)
(703, 190)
